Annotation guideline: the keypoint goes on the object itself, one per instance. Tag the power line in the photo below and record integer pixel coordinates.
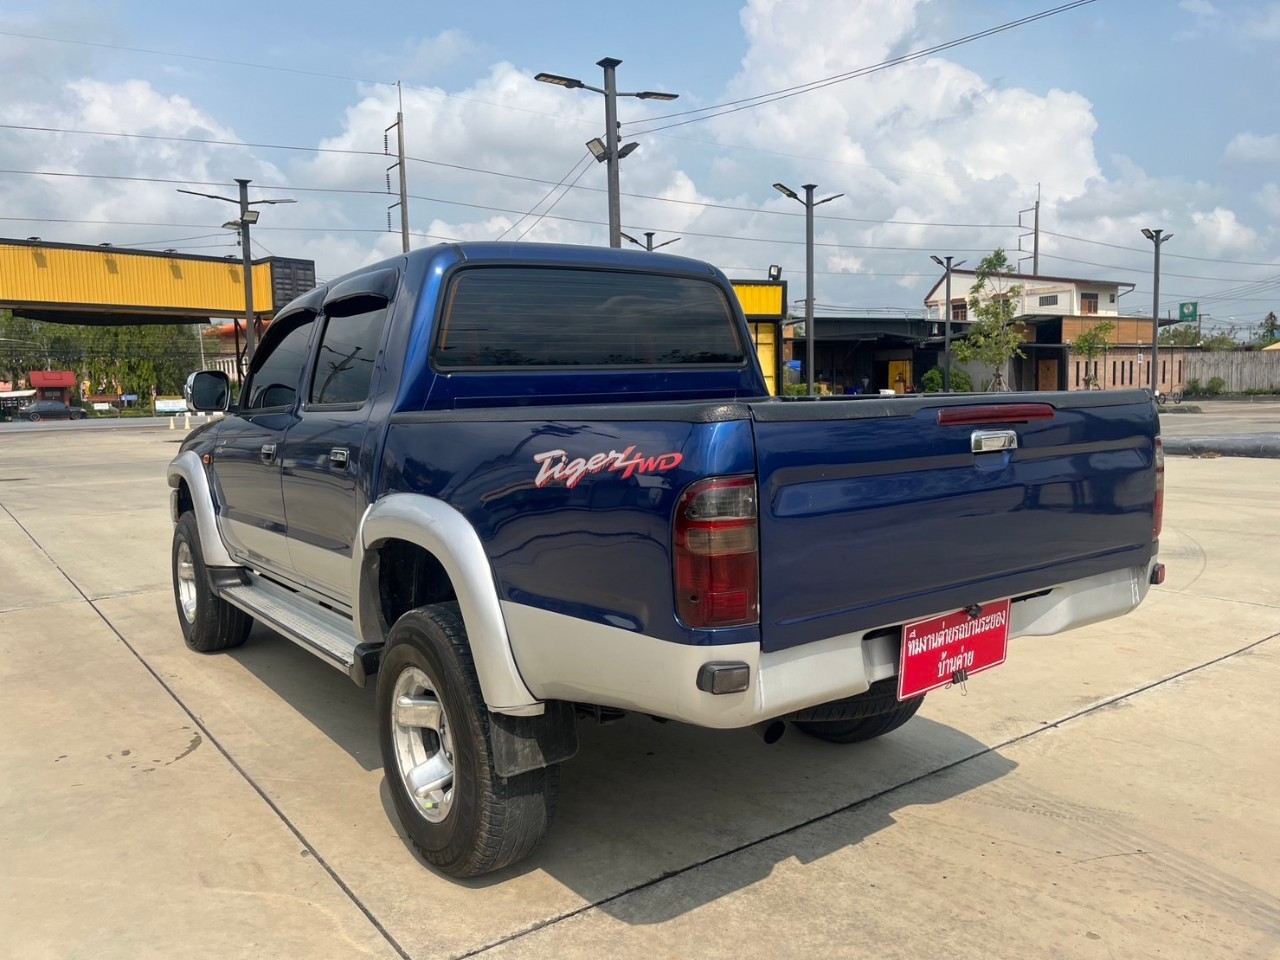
(1147, 250)
(440, 163)
(586, 161)
(758, 100)
(542, 200)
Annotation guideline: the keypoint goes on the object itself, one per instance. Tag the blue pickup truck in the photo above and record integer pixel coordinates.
(524, 486)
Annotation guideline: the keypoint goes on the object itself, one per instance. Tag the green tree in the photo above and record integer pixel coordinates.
(1090, 345)
(1182, 335)
(126, 359)
(1269, 329)
(996, 335)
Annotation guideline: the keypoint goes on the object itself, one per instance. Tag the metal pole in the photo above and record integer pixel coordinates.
(404, 188)
(808, 277)
(648, 241)
(1035, 243)
(250, 340)
(1155, 320)
(946, 326)
(610, 66)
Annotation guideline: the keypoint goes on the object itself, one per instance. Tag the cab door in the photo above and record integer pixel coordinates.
(327, 451)
(245, 466)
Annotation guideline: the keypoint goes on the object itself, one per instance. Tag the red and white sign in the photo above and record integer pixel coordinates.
(935, 650)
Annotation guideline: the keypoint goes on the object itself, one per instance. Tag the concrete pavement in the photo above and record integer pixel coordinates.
(1105, 793)
(1228, 428)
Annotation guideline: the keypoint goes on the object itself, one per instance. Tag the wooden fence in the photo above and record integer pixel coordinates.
(1242, 370)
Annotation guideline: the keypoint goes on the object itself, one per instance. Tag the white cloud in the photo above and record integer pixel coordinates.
(1253, 148)
(1266, 26)
(1200, 8)
(930, 142)
(1268, 198)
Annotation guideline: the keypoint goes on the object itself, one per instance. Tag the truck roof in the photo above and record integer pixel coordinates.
(566, 253)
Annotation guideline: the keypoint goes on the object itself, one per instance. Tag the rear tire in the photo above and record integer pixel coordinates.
(33, 417)
(434, 729)
(208, 622)
(74, 415)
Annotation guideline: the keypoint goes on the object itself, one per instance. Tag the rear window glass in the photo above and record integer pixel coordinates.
(540, 317)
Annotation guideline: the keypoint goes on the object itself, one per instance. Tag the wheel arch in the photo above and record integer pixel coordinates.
(187, 471)
(450, 541)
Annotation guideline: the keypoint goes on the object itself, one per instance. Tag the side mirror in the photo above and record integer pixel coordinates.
(207, 391)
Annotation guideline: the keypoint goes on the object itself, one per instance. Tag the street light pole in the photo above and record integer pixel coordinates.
(612, 153)
(1157, 241)
(610, 65)
(946, 324)
(250, 334)
(247, 217)
(809, 204)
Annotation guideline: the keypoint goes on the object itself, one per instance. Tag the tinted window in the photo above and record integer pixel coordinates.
(344, 365)
(275, 382)
(531, 317)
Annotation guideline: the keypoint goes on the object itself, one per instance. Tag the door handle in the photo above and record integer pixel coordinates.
(268, 452)
(338, 456)
(993, 441)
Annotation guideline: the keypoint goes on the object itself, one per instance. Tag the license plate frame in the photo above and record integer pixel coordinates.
(934, 648)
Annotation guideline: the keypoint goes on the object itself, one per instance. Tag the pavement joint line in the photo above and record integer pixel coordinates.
(865, 801)
(298, 835)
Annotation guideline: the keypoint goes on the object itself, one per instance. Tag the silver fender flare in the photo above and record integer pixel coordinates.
(187, 466)
(444, 532)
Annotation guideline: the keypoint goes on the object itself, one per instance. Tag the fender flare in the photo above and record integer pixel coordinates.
(445, 533)
(187, 466)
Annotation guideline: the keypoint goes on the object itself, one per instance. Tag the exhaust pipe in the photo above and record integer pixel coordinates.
(770, 731)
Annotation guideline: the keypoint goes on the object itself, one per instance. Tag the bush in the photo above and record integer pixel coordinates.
(931, 382)
(1193, 388)
(1215, 386)
(795, 390)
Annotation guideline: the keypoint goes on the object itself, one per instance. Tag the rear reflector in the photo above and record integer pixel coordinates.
(717, 562)
(995, 413)
(1158, 520)
(1157, 574)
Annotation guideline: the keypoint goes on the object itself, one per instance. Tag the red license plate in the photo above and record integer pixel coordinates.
(934, 650)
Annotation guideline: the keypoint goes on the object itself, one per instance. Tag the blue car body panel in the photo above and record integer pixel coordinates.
(871, 513)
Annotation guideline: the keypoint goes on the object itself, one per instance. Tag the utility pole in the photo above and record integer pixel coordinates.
(809, 204)
(1157, 241)
(1035, 243)
(403, 203)
(609, 151)
(946, 323)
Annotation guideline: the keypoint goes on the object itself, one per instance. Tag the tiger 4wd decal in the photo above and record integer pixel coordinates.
(554, 466)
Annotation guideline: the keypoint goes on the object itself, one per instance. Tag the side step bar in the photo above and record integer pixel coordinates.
(321, 631)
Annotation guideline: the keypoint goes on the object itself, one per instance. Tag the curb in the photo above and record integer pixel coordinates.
(1262, 445)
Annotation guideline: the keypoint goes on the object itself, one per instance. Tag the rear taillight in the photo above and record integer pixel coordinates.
(1159, 512)
(717, 563)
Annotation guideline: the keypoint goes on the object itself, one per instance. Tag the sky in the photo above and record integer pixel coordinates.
(1117, 114)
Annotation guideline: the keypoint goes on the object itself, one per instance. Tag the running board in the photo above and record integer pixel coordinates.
(321, 631)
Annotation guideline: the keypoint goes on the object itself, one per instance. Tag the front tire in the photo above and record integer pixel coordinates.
(33, 417)
(434, 729)
(208, 622)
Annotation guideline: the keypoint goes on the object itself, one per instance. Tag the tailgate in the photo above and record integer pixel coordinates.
(872, 512)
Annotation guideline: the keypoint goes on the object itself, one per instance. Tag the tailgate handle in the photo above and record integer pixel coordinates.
(993, 441)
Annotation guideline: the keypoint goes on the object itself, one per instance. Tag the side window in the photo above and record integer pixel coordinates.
(275, 382)
(348, 349)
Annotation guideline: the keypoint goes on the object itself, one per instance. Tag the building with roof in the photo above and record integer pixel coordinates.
(1055, 312)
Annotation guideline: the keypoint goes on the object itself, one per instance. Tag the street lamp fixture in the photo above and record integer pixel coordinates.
(809, 203)
(649, 244)
(1157, 240)
(567, 82)
(775, 272)
(247, 218)
(946, 321)
(598, 150)
(612, 153)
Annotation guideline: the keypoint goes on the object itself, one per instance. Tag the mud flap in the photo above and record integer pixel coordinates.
(521, 744)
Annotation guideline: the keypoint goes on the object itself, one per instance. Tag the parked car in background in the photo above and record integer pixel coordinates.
(49, 410)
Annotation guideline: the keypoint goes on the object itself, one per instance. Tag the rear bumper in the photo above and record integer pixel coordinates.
(563, 658)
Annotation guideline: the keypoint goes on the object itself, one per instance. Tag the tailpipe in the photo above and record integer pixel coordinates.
(770, 731)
